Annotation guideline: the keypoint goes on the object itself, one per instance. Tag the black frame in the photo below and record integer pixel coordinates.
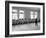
(7, 18)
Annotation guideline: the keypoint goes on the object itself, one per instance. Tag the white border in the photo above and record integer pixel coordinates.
(25, 32)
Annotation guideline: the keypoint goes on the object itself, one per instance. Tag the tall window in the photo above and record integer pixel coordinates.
(21, 14)
(33, 15)
(14, 14)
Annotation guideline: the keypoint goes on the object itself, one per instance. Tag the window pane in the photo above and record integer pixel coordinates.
(31, 16)
(31, 12)
(35, 16)
(21, 14)
(36, 13)
(14, 10)
(21, 11)
(14, 16)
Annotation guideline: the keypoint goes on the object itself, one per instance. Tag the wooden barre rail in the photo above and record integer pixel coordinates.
(25, 22)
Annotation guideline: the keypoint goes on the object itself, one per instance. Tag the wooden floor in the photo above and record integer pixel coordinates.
(26, 27)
